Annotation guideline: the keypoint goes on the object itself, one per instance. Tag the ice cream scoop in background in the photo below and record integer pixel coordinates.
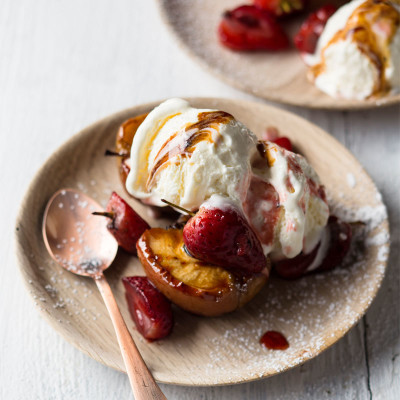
(187, 155)
(358, 52)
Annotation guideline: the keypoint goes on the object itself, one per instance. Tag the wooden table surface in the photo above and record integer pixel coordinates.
(65, 64)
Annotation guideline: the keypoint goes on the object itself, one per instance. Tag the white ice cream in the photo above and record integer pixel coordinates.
(185, 164)
(347, 67)
(193, 157)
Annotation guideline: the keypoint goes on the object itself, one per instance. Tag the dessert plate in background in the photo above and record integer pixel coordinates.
(277, 76)
(312, 312)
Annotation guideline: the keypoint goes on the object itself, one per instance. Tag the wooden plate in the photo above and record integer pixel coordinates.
(276, 76)
(313, 312)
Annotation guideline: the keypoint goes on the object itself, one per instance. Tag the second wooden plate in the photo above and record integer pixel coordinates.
(277, 76)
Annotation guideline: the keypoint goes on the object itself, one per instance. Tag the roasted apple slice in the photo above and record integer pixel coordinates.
(123, 144)
(195, 286)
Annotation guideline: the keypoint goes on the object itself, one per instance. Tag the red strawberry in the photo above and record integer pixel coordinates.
(126, 225)
(223, 237)
(280, 7)
(340, 239)
(250, 28)
(311, 29)
(284, 142)
(271, 134)
(340, 236)
(149, 308)
(293, 268)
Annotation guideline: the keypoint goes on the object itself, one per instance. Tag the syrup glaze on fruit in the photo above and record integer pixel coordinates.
(149, 308)
(125, 224)
(219, 234)
(196, 286)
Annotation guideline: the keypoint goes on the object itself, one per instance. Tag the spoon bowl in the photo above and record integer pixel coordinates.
(80, 242)
(76, 239)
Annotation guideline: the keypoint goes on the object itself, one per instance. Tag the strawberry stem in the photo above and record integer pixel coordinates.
(178, 207)
(104, 214)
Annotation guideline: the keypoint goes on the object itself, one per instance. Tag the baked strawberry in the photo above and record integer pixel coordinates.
(125, 224)
(149, 308)
(293, 268)
(280, 7)
(340, 240)
(222, 236)
(271, 134)
(250, 28)
(340, 235)
(284, 142)
(311, 29)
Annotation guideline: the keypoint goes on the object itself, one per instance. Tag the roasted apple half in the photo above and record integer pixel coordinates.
(123, 144)
(193, 285)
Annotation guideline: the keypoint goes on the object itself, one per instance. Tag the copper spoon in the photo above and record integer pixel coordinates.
(81, 243)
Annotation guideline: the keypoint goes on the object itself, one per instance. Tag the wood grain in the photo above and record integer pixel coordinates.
(200, 349)
(277, 76)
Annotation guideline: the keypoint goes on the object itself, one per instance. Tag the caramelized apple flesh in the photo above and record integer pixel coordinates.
(123, 144)
(193, 285)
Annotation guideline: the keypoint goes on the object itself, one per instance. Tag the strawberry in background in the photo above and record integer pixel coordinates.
(280, 8)
(311, 29)
(249, 28)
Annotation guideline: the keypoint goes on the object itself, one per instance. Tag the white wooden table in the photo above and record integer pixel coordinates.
(65, 64)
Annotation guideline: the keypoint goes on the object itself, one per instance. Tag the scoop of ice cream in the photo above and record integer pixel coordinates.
(185, 155)
(189, 156)
(358, 52)
(286, 203)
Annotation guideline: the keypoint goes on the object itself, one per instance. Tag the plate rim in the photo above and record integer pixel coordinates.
(358, 105)
(19, 252)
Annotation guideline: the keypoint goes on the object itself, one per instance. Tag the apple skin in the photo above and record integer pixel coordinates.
(222, 293)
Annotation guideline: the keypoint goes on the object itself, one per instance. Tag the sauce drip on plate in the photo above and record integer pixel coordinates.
(274, 340)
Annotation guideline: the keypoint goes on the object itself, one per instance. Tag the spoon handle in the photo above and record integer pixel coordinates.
(143, 384)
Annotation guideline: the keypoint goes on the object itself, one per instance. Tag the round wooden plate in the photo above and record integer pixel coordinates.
(276, 76)
(312, 312)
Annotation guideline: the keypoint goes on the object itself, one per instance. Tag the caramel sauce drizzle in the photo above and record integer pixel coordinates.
(365, 27)
(144, 155)
(265, 152)
(183, 143)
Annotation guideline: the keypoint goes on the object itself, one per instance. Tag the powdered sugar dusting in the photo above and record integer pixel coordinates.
(351, 180)
(312, 312)
(303, 310)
